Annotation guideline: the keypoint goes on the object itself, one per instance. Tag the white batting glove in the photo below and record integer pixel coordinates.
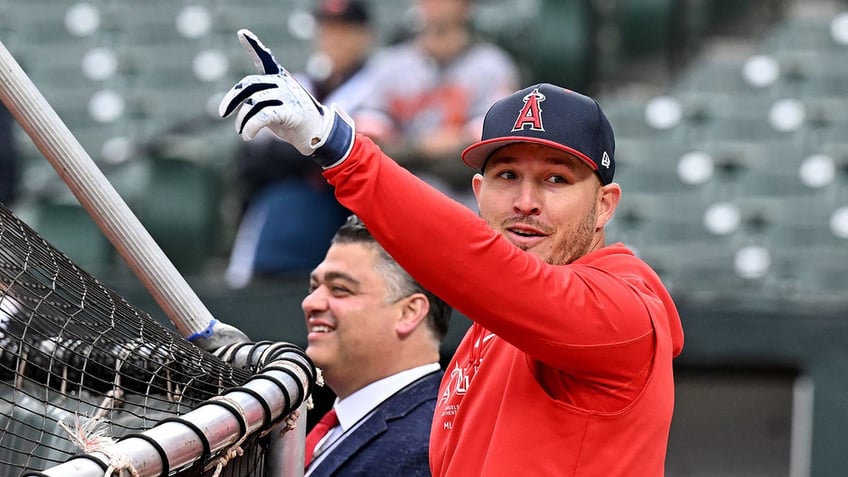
(275, 100)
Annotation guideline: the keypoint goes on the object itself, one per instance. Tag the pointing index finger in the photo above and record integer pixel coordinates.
(262, 57)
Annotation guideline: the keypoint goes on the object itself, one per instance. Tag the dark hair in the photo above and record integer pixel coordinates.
(399, 282)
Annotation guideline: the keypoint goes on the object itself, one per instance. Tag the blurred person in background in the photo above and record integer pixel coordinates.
(375, 334)
(289, 211)
(8, 158)
(433, 91)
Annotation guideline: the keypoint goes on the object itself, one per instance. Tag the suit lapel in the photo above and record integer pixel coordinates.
(377, 422)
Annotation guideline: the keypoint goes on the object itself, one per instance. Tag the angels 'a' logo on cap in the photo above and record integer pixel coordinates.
(531, 112)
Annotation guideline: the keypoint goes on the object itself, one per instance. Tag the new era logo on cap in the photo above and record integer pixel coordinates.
(552, 116)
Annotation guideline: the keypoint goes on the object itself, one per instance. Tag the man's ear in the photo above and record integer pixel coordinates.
(476, 184)
(608, 198)
(414, 311)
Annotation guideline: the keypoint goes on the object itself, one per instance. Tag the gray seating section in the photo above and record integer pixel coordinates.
(733, 110)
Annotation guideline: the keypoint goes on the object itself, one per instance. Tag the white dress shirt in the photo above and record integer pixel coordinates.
(352, 410)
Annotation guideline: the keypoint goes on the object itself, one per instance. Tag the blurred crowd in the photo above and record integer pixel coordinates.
(419, 91)
(421, 96)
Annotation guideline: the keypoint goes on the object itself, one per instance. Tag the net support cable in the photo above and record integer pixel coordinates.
(216, 429)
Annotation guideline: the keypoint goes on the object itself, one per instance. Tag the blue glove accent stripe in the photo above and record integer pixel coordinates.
(244, 94)
(337, 145)
(256, 109)
(205, 333)
(269, 63)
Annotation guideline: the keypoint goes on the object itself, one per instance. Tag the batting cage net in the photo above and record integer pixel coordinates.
(84, 373)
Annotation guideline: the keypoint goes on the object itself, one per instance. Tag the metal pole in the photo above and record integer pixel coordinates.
(109, 210)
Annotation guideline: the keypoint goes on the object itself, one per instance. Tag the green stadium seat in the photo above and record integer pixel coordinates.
(814, 74)
(800, 34)
(647, 152)
(180, 209)
(812, 275)
(701, 269)
(743, 129)
(152, 22)
(558, 47)
(646, 221)
(69, 228)
(645, 26)
(628, 119)
(34, 23)
(707, 75)
(798, 222)
(641, 179)
(778, 184)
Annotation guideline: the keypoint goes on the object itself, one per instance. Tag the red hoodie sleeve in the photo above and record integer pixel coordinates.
(580, 318)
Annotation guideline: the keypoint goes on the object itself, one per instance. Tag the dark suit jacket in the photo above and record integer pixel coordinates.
(393, 441)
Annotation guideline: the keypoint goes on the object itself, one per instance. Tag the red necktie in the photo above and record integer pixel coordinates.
(327, 422)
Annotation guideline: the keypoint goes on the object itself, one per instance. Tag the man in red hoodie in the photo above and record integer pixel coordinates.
(567, 369)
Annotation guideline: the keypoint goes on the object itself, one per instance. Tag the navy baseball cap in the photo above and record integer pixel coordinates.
(355, 12)
(552, 116)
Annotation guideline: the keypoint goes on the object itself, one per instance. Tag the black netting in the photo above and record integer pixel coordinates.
(75, 353)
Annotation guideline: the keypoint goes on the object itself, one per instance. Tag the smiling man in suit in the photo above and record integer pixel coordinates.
(375, 334)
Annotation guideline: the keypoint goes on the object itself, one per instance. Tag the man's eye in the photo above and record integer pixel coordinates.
(506, 175)
(339, 290)
(557, 180)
